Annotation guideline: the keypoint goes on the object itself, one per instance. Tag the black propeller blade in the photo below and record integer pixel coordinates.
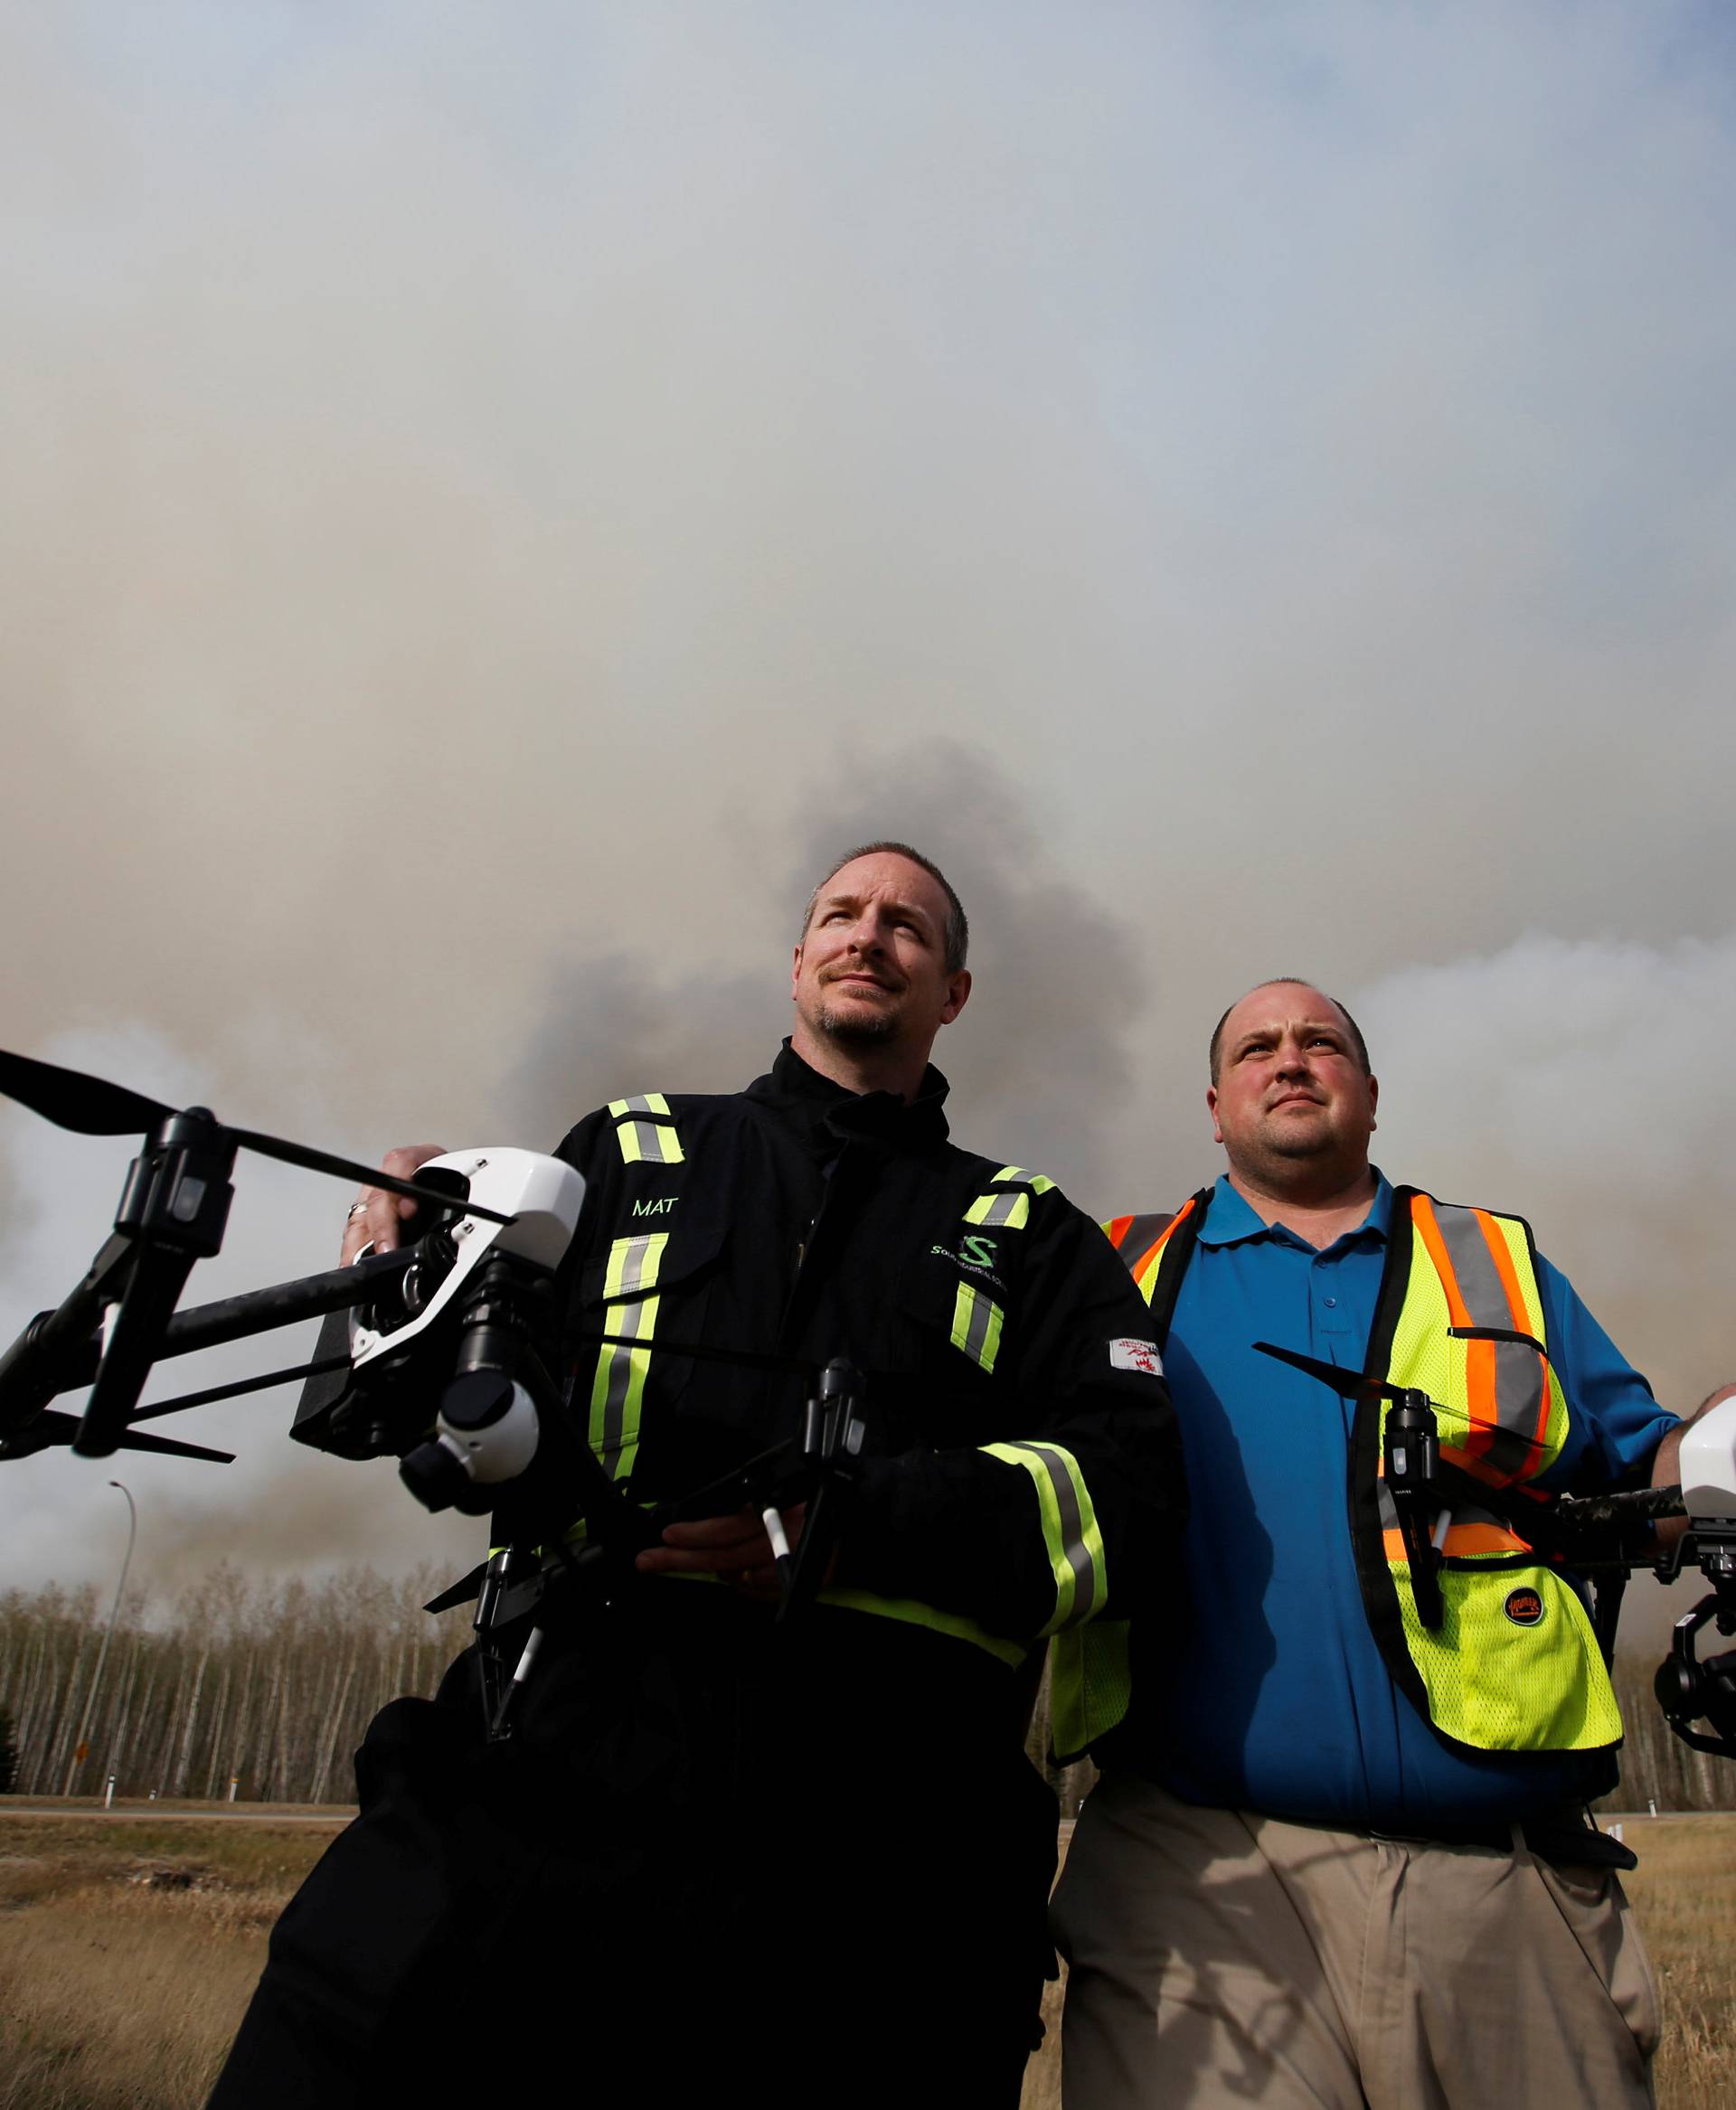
(52, 1427)
(344, 1168)
(91, 1106)
(169, 1447)
(1348, 1384)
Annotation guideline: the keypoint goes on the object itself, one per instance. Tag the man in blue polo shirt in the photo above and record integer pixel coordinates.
(1338, 1855)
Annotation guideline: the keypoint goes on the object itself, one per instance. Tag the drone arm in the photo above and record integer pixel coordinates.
(130, 1346)
(258, 1311)
(60, 1349)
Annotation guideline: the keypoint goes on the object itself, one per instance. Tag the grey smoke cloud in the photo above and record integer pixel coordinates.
(514, 452)
(1038, 1060)
(1585, 1080)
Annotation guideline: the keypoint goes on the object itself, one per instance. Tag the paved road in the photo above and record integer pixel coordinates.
(334, 1816)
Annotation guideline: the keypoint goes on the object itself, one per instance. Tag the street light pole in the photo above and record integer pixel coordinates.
(102, 1653)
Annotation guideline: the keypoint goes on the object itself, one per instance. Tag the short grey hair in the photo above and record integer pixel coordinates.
(955, 937)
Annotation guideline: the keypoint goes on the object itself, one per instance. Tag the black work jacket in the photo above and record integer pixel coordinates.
(808, 1222)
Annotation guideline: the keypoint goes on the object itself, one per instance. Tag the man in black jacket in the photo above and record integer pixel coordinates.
(812, 1851)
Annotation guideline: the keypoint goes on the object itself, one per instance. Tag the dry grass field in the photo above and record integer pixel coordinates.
(128, 1950)
(1684, 1892)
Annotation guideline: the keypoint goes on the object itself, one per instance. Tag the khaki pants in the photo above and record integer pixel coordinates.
(1221, 1959)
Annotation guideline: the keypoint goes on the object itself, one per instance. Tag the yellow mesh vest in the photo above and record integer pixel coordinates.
(1513, 1665)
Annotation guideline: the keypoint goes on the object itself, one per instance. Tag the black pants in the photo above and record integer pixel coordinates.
(692, 1865)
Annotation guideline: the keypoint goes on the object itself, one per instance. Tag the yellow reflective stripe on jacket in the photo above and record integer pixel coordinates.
(914, 1613)
(976, 1321)
(1006, 1206)
(645, 1130)
(1016, 1176)
(1091, 1684)
(617, 1389)
(1069, 1532)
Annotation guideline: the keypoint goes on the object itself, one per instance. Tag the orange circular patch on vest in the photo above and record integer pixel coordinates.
(1524, 1608)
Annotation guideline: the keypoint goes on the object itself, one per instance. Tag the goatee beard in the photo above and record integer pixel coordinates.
(855, 1028)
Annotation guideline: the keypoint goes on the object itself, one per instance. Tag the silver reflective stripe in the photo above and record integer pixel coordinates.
(648, 1142)
(645, 1130)
(1007, 1207)
(1072, 1534)
(976, 1330)
(1518, 1370)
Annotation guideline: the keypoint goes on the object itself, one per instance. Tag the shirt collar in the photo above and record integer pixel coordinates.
(881, 1118)
(1229, 1220)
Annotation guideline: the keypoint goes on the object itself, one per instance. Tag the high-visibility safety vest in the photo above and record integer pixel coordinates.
(646, 1134)
(1514, 1664)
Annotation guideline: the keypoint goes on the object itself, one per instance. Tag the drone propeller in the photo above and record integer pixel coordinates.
(51, 1427)
(1348, 1384)
(344, 1168)
(1351, 1385)
(91, 1106)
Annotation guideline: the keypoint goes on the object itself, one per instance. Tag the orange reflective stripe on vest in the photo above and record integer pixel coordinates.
(1461, 1540)
(1470, 1531)
(1140, 1241)
(1507, 1382)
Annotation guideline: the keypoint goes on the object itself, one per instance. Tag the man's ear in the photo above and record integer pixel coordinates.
(958, 995)
(1211, 1108)
(795, 973)
(1373, 1101)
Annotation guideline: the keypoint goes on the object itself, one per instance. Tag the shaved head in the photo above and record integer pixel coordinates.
(1295, 982)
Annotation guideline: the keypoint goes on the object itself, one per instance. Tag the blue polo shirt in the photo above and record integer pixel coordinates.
(1269, 1692)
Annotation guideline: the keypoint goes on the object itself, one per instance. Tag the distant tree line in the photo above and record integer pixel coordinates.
(271, 1686)
(268, 1686)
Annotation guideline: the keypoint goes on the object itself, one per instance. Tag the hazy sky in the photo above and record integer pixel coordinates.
(491, 496)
